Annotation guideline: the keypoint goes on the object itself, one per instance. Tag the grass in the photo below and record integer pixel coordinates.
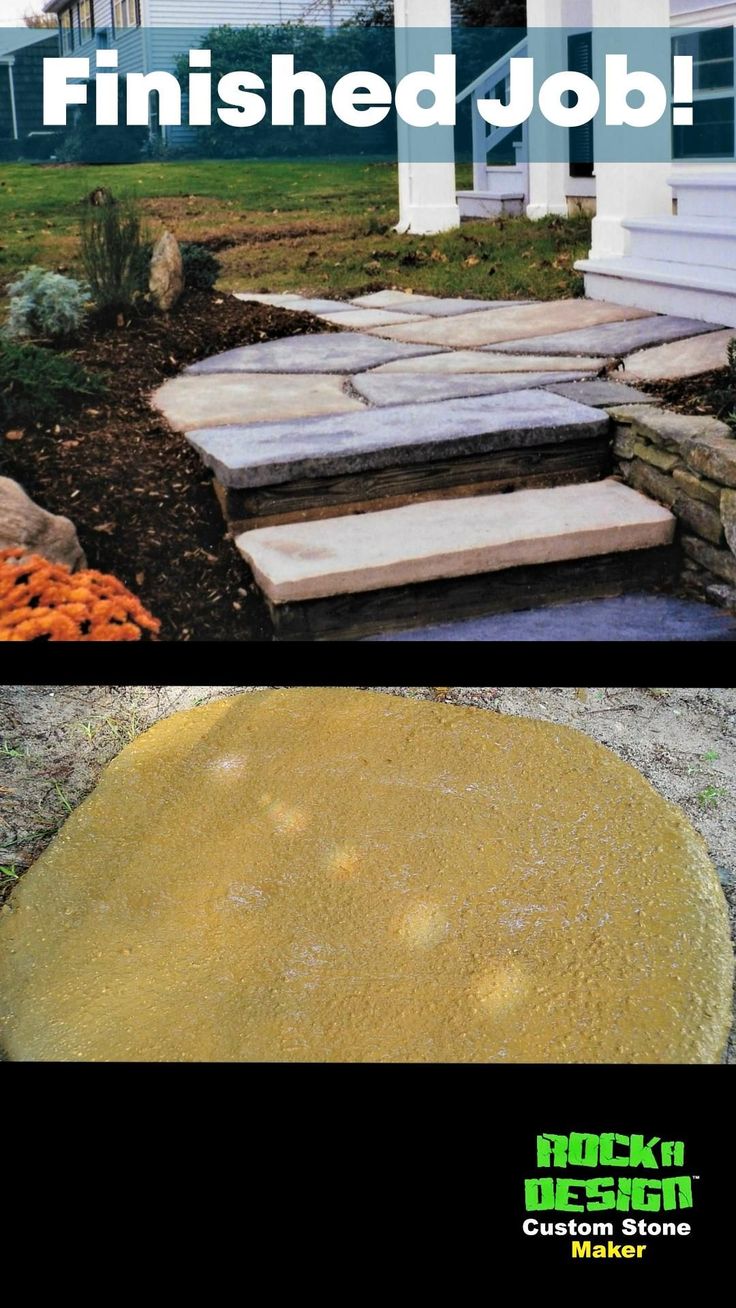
(322, 228)
(711, 796)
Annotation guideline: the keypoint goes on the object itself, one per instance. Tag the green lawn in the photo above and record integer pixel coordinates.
(319, 227)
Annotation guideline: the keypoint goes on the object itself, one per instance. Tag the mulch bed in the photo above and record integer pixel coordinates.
(141, 500)
(709, 393)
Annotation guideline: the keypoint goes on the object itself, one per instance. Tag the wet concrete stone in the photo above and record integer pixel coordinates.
(625, 618)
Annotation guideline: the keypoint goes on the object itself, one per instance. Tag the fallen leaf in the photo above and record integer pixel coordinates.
(471, 262)
(16, 435)
(140, 577)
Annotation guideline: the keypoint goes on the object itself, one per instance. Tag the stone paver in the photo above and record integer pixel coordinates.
(407, 388)
(220, 399)
(451, 538)
(477, 361)
(680, 359)
(611, 338)
(323, 352)
(274, 453)
(601, 393)
(302, 303)
(430, 306)
(365, 318)
(629, 618)
(510, 323)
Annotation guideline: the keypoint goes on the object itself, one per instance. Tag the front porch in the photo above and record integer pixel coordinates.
(664, 234)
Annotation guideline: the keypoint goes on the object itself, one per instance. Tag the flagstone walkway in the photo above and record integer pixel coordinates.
(381, 415)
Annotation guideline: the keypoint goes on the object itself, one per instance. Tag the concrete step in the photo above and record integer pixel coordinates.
(695, 242)
(705, 195)
(707, 294)
(452, 539)
(485, 204)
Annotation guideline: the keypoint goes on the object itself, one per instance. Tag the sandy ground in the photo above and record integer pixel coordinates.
(55, 740)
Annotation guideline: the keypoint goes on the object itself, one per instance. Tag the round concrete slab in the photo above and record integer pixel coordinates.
(331, 875)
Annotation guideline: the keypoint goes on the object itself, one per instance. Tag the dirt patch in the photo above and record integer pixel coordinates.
(54, 741)
(141, 500)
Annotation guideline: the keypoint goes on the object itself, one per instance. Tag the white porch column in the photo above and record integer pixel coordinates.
(427, 191)
(628, 190)
(547, 181)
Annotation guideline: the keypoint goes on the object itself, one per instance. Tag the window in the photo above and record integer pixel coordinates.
(125, 13)
(67, 31)
(712, 135)
(86, 18)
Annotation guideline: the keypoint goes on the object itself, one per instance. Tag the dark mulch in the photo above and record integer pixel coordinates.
(709, 393)
(141, 500)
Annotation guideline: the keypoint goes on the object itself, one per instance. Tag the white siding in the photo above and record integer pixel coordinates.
(212, 13)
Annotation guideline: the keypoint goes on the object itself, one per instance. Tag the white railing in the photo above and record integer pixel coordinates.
(493, 84)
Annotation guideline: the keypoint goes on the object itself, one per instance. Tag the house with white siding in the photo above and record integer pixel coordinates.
(150, 35)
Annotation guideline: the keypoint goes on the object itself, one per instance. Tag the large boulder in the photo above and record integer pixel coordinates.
(22, 522)
(166, 277)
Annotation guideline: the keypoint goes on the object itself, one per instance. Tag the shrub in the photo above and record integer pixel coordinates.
(45, 601)
(37, 385)
(86, 142)
(201, 268)
(45, 304)
(112, 243)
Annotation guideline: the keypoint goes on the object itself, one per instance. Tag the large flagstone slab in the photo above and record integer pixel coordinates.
(511, 323)
(349, 316)
(408, 388)
(480, 361)
(302, 303)
(681, 358)
(431, 306)
(601, 393)
(323, 352)
(273, 453)
(612, 338)
(451, 538)
(222, 398)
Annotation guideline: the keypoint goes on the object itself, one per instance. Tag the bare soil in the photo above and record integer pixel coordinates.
(54, 741)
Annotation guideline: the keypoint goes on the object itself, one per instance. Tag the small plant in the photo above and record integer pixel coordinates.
(201, 268)
(46, 305)
(8, 870)
(37, 385)
(112, 241)
(711, 796)
(9, 751)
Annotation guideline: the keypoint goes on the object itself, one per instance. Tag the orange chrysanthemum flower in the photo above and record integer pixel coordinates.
(45, 601)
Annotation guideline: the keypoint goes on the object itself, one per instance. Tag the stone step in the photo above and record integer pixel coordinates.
(452, 539)
(487, 204)
(708, 294)
(277, 453)
(705, 195)
(696, 242)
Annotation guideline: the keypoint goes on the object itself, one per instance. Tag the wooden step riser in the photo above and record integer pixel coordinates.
(498, 472)
(402, 608)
